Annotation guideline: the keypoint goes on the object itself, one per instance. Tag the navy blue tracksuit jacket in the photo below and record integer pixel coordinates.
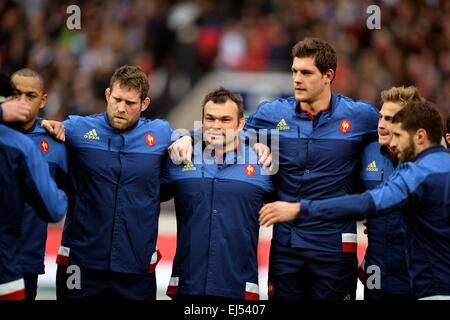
(422, 190)
(217, 207)
(112, 220)
(386, 234)
(24, 177)
(317, 160)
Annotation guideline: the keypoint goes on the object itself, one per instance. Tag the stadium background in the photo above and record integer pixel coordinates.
(189, 47)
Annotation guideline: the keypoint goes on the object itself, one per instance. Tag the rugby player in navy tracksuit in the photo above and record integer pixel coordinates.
(115, 160)
(29, 88)
(24, 177)
(321, 136)
(385, 252)
(217, 200)
(421, 188)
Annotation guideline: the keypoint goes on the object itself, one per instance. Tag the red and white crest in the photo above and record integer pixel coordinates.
(44, 146)
(345, 126)
(249, 170)
(150, 139)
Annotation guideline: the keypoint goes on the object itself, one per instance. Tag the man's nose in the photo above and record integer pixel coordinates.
(393, 143)
(22, 97)
(121, 106)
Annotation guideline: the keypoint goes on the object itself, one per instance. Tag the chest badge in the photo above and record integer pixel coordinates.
(249, 170)
(345, 126)
(150, 139)
(44, 146)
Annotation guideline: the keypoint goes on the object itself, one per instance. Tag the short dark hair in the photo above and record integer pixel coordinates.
(421, 115)
(222, 95)
(323, 53)
(27, 72)
(131, 77)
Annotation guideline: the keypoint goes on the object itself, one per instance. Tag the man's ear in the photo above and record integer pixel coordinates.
(43, 101)
(241, 123)
(145, 104)
(329, 74)
(421, 136)
(107, 94)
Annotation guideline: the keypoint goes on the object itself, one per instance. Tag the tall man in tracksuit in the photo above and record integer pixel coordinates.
(384, 268)
(420, 187)
(217, 200)
(111, 227)
(29, 88)
(24, 177)
(321, 136)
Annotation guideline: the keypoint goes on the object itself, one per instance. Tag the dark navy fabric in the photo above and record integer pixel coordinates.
(217, 206)
(112, 221)
(24, 177)
(422, 190)
(105, 285)
(317, 160)
(34, 229)
(302, 274)
(386, 234)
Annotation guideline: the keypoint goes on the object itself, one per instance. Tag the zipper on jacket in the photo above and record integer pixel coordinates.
(382, 174)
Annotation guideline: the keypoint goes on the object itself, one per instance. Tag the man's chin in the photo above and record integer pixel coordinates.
(119, 124)
(383, 140)
(300, 97)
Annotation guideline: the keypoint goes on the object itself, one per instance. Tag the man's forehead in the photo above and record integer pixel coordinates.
(121, 89)
(27, 84)
(304, 62)
(390, 108)
(224, 109)
(397, 127)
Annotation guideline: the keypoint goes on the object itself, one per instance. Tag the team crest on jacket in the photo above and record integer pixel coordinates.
(345, 126)
(150, 139)
(44, 146)
(250, 170)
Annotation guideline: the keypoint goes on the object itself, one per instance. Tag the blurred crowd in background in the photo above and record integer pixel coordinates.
(177, 42)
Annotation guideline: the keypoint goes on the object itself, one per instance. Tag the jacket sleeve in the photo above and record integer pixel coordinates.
(40, 189)
(258, 125)
(390, 196)
(166, 191)
(371, 120)
(350, 207)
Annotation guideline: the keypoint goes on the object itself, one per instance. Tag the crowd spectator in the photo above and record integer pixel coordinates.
(176, 42)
